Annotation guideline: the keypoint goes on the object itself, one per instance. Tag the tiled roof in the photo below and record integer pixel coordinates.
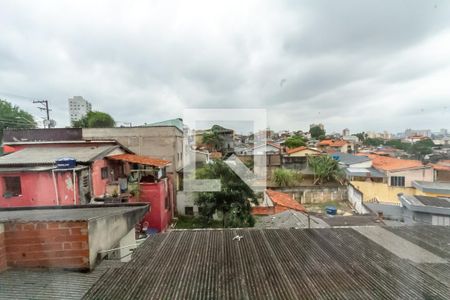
(301, 148)
(443, 165)
(283, 199)
(391, 164)
(139, 159)
(333, 143)
(338, 263)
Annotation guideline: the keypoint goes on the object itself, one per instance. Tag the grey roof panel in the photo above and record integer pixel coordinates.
(349, 159)
(270, 264)
(48, 155)
(72, 213)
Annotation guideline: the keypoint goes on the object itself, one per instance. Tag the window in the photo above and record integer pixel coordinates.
(12, 186)
(105, 173)
(189, 211)
(398, 181)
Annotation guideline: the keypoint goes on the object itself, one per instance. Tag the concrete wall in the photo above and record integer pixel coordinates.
(391, 212)
(38, 189)
(316, 194)
(185, 199)
(3, 264)
(106, 233)
(47, 244)
(355, 197)
(160, 142)
(424, 174)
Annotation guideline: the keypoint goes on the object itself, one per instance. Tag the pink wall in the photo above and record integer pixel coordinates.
(422, 174)
(98, 184)
(38, 189)
(155, 193)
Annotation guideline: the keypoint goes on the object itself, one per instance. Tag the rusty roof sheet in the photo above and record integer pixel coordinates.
(143, 160)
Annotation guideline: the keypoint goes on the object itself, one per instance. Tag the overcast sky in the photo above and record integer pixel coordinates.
(365, 65)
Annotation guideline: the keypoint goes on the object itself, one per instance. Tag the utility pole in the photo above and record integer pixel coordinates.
(45, 107)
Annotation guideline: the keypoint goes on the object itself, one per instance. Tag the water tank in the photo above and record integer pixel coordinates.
(66, 163)
(331, 210)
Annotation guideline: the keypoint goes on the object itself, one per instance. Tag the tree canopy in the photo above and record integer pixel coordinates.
(213, 140)
(233, 200)
(316, 132)
(95, 119)
(325, 169)
(286, 177)
(11, 116)
(295, 141)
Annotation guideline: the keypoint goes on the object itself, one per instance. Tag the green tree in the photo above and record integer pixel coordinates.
(233, 200)
(316, 132)
(213, 140)
(11, 116)
(399, 145)
(421, 148)
(325, 169)
(362, 136)
(295, 141)
(373, 142)
(95, 119)
(286, 177)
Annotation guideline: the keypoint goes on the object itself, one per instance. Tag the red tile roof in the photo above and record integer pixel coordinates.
(143, 160)
(386, 163)
(442, 165)
(333, 143)
(283, 199)
(301, 148)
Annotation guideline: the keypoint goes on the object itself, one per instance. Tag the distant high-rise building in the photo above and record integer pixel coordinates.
(444, 132)
(346, 132)
(421, 132)
(78, 108)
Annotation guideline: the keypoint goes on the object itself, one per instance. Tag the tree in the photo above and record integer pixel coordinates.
(233, 200)
(95, 119)
(11, 116)
(362, 136)
(295, 141)
(325, 169)
(316, 132)
(373, 142)
(213, 140)
(421, 148)
(286, 177)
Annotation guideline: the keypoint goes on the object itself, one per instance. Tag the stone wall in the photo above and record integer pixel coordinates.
(316, 194)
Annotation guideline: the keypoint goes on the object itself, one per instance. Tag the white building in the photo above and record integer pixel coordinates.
(78, 108)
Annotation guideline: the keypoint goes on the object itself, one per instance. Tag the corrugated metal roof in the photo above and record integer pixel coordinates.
(143, 160)
(41, 134)
(349, 159)
(50, 284)
(273, 264)
(48, 155)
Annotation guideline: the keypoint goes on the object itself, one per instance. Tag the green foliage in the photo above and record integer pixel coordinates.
(12, 116)
(422, 148)
(295, 141)
(362, 136)
(325, 169)
(213, 140)
(374, 142)
(399, 145)
(286, 177)
(95, 119)
(232, 201)
(316, 132)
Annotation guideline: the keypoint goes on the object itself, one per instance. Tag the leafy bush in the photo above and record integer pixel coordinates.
(286, 177)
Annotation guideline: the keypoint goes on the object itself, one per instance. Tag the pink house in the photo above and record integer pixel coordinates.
(31, 176)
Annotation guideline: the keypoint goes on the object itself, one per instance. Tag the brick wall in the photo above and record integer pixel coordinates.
(2, 249)
(47, 244)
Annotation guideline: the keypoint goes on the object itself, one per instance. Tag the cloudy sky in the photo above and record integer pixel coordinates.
(365, 65)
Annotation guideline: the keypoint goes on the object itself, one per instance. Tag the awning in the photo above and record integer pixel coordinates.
(143, 160)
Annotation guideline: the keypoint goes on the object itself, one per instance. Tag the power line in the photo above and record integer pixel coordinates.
(45, 107)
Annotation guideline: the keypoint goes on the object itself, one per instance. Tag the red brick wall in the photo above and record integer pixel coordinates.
(2, 250)
(47, 244)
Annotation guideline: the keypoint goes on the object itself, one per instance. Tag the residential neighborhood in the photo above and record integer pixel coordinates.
(224, 150)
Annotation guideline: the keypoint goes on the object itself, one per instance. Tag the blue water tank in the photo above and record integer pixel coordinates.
(331, 210)
(66, 163)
